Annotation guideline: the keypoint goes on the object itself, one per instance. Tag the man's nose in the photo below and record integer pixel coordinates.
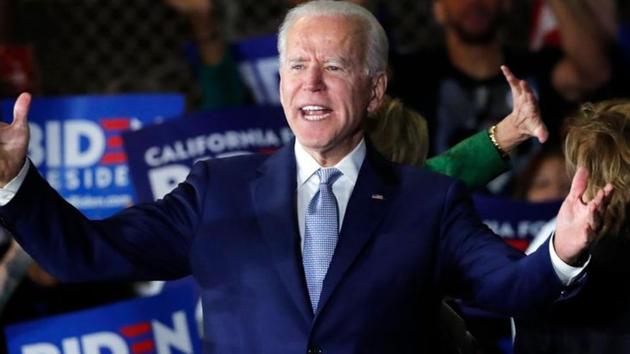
(314, 80)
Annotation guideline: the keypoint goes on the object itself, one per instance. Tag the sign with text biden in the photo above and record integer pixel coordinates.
(161, 324)
(76, 144)
(160, 156)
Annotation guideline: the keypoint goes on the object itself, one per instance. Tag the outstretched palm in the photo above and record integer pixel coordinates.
(579, 221)
(14, 140)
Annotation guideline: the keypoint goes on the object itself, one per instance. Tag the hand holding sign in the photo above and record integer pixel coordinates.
(14, 140)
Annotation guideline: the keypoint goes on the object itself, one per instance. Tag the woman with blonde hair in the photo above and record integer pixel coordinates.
(597, 319)
(400, 134)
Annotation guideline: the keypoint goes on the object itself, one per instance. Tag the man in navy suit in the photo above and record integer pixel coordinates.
(246, 227)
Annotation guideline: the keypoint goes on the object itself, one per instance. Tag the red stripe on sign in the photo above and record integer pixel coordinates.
(114, 141)
(143, 347)
(136, 330)
(115, 123)
(520, 245)
(112, 158)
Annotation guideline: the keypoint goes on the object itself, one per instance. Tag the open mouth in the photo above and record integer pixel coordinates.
(315, 112)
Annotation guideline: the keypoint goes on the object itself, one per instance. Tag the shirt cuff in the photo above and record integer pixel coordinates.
(10, 189)
(565, 272)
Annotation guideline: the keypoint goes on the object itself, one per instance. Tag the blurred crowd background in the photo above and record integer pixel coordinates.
(97, 46)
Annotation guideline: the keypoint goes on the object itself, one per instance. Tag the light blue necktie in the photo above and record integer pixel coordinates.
(320, 234)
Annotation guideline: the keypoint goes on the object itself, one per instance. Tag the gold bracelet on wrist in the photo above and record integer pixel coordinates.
(493, 139)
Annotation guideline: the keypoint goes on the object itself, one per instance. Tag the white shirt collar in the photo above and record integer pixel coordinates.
(349, 165)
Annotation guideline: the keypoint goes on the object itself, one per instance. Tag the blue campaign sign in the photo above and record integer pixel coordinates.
(518, 222)
(257, 60)
(160, 156)
(161, 324)
(76, 144)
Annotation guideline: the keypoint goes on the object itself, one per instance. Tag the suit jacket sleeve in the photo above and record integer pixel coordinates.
(485, 269)
(148, 241)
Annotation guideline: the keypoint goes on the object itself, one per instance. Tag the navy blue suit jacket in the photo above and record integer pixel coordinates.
(233, 225)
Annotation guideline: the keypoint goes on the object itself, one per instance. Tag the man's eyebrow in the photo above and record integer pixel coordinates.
(297, 60)
(333, 60)
(336, 60)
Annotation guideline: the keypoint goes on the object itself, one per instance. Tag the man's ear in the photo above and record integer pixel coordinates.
(438, 12)
(379, 86)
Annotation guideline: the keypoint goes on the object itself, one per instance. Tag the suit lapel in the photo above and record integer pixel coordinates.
(273, 196)
(366, 208)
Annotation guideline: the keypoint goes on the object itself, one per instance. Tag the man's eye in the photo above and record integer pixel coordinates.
(297, 66)
(333, 68)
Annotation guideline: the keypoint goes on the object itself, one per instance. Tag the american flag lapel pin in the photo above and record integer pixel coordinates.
(378, 197)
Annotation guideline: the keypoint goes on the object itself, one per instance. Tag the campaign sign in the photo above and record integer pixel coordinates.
(161, 324)
(517, 222)
(160, 156)
(257, 60)
(76, 144)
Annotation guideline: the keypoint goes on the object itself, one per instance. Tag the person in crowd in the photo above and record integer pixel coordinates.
(339, 250)
(400, 134)
(222, 86)
(544, 178)
(597, 319)
(457, 86)
(391, 128)
(218, 75)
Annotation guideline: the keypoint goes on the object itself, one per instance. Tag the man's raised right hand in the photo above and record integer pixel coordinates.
(14, 140)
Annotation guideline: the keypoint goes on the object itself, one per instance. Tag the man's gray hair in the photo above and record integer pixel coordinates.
(376, 39)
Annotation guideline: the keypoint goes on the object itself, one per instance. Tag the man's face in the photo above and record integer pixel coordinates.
(474, 21)
(324, 87)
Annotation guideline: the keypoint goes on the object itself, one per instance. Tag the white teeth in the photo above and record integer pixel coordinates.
(316, 117)
(313, 108)
(315, 112)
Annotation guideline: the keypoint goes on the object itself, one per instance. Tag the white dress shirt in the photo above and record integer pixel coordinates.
(8, 191)
(308, 184)
(308, 181)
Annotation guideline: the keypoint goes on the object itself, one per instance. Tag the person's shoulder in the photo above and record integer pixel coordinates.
(419, 178)
(238, 160)
(233, 168)
(433, 190)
